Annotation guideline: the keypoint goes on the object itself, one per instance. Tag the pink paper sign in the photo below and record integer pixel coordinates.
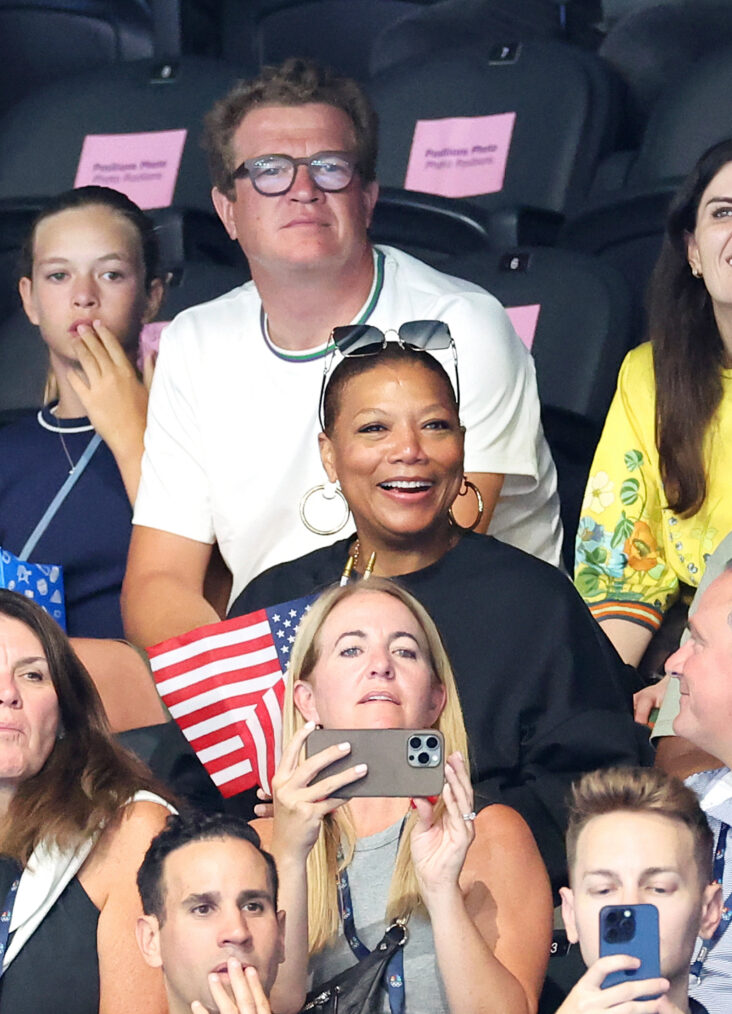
(143, 166)
(524, 319)
(462, 156)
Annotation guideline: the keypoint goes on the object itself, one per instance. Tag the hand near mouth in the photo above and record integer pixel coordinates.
(246, 996)
(113, 397)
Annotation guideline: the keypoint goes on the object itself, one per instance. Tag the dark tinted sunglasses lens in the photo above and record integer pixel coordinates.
(271, 175)
(426, 334)
(331, 173)
(358, 340)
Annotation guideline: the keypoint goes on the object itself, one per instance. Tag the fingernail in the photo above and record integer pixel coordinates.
(213, 976)
(361, 769)
(309, 726)
(412, 805)
(344, 746)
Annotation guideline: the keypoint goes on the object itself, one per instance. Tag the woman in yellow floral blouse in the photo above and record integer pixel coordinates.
(659, 496)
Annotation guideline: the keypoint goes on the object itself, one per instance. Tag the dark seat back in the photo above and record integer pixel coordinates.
(576, 314)
(336, 33)
(43, 40)
(565, 105)
(126, 99)
(694, 113)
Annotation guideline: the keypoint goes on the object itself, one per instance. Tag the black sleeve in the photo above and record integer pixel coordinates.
(573, 714)
(266, 590)
(551, 759)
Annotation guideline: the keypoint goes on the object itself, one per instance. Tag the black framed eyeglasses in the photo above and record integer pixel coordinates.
(367, 340)
(273, 175)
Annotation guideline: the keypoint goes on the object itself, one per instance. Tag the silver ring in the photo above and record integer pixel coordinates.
(470, 816)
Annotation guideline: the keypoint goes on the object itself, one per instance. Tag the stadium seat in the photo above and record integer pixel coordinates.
(42, 40)
(428, 227)
(626, 233)
(653, 48)
(693, 113)
(125, 99)
(456, 23)
(624, 222)
(543, 110)
(337, 33)
(575, 314)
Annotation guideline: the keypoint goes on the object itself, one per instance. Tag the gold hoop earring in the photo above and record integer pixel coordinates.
(481, 507)
(329, 492)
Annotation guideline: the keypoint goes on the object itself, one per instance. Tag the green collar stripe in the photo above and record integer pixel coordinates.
(308, 357)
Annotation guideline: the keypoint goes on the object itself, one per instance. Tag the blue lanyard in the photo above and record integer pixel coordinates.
(718, 874)
(5, 917)
(71, 480)
(394, 974)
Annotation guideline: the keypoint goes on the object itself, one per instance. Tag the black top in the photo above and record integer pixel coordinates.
(544, 693)
(695, 1007)
(57, 969)
(90, 533)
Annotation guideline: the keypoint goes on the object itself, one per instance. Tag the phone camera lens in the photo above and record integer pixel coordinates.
(432, 742)
(423, 758)
(613, 916)
(415, 742)
(611, 935)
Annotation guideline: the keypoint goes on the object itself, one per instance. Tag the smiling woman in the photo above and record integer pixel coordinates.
(394, 442)
(659, 498)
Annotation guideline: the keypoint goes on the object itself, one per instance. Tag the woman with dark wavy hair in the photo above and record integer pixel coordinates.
(659, 497)
(77, 813)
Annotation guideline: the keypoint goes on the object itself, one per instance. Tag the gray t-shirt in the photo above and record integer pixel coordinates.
(369, 877)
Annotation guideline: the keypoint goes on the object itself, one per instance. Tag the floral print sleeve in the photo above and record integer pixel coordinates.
(620, 565)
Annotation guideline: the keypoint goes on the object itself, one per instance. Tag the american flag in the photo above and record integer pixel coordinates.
(224, 684)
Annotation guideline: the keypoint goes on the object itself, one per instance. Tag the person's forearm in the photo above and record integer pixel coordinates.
(129, 461)
(158, 605)
(475, 980)
(630, 639)
(290, 987)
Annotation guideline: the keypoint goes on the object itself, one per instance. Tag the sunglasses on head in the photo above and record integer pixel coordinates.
(273, 175)
(367, 340)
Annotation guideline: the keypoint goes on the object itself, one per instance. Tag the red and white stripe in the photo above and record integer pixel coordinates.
(224, 686)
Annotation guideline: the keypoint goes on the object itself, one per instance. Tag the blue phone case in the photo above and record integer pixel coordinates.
(631, 929)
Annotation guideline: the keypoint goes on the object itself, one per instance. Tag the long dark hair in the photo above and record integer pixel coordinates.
(87, 777)
(688, 352)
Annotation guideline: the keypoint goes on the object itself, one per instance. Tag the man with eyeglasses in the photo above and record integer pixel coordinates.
(231, 444)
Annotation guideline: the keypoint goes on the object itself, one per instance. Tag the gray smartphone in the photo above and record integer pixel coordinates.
(631, 929)
(401, 762)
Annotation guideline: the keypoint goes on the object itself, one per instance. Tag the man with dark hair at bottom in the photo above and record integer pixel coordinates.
(209, 894)
(638, 836)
